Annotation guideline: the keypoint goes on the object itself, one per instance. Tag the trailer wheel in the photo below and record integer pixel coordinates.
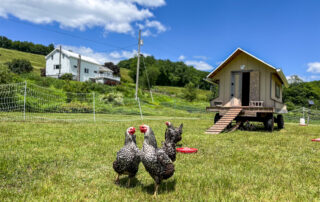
(217, 117)
(269, 123)
(280, 121)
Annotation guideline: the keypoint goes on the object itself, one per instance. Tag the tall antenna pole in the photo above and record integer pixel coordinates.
(138, 65)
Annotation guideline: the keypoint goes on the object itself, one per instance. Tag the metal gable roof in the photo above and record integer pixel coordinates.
(74, 55)
(238, 51)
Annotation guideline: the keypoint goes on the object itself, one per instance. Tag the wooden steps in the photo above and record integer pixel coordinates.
(231, 114)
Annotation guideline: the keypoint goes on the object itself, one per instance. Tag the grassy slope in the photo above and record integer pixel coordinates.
(37, 61)
(73, 161)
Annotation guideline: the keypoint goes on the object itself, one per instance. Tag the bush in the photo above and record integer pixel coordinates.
(190, 92)
(67, 77)
(6, 76)
(113, 98)
(20, 66)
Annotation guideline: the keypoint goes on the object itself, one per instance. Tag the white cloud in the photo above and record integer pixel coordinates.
(201, 57)
(151, 25)
(314, 67)
(200, 65)
(102, 57)
(182, 57)
(114, 15)
(295, 78)
(150, 3)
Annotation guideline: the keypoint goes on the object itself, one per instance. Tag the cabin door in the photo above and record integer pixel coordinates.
(254, 86)
(236, 78)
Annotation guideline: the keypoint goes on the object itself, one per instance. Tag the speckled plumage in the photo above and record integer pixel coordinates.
(128, 158)
(155, 160)
(169, 146)
(173, 134)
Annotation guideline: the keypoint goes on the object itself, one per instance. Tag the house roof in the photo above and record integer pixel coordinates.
(73, 55)
(278, 71)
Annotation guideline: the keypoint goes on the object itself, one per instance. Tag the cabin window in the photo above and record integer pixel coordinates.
(86, 70)
(56, 67)
(277, 90)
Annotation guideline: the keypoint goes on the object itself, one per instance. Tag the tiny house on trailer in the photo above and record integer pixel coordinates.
(249, 90)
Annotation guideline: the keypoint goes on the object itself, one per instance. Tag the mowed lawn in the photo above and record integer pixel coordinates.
(73, 161)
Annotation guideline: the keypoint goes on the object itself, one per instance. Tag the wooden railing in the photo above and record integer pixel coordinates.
(256, 104)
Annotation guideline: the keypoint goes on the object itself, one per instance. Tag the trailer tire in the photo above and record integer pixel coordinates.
(280, 121)
(217, 117)
(269, 123)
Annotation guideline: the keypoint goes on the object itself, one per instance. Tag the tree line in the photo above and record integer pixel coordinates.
(299, 93)
(165, 72)
(25, 46)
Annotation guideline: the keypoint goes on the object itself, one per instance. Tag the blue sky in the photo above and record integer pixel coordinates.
(285, 34)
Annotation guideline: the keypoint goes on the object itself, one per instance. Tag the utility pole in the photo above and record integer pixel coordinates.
(79, 68)
(59, 62)
(138, 64)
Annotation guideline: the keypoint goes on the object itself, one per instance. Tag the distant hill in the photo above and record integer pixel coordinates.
(165, 72)
(300, 92)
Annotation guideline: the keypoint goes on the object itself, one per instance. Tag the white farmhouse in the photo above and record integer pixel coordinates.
(81, 67)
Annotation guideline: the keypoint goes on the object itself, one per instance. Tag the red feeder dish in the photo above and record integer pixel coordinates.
(187, 150)
(316, 140)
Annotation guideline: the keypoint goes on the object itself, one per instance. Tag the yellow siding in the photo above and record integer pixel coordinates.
(265, 74)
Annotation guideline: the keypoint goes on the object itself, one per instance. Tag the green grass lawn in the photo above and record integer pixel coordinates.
(73, 161)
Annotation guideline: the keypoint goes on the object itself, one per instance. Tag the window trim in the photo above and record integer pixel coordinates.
(277, 90)
(55, 66)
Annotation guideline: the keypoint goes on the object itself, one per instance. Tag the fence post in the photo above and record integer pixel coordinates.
(94, 107)
(24, 100)
(140, 109)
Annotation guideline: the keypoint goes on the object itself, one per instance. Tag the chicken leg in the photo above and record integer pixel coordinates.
(156, 186)
(117, 179)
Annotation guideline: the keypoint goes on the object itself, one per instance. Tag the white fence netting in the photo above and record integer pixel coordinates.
(27, 101)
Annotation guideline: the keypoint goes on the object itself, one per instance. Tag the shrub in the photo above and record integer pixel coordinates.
(112, 98)
(20, 66)
(190, 92)
(6, 76)
(67, 77)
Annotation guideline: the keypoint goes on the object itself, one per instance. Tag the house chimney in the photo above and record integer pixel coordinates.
(79, 68)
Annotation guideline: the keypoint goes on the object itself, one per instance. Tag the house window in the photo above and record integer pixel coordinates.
(86, 70)
(75, 66)
(51, 57)
(277, 90)
(56, 67)
(62, 55)
(95, 72)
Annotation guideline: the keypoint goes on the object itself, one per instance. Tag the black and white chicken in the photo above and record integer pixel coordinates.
(156, 161)
(128, 158)
(175, 134)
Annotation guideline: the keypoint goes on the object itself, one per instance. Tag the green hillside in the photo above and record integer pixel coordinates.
(37, 61)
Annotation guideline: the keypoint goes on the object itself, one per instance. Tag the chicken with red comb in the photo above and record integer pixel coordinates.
(155, 160)
(128, 157)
